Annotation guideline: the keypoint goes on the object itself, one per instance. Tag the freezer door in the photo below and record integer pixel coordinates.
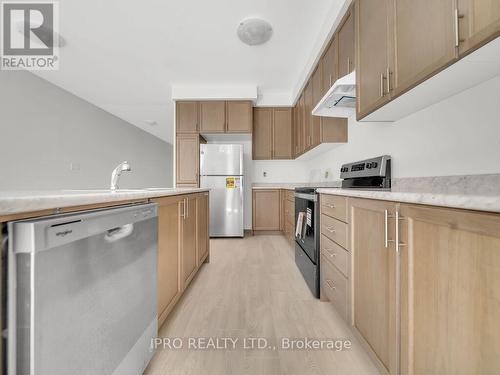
(226, 205)
(221, 160)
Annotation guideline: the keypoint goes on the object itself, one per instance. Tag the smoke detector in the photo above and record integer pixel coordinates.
(254, 31)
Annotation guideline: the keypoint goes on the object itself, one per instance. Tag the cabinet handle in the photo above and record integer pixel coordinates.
(183, 215)
(398, 244)
(330, 80)
(458, 17)
(386, 228)
(330, 205)
(382, 91)
(388, 80)
(330, 229)
(330, 284)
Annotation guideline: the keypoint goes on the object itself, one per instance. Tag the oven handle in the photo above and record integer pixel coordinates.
(309, 197)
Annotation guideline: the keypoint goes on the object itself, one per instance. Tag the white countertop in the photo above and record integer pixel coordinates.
(14, 202)
(466, 202)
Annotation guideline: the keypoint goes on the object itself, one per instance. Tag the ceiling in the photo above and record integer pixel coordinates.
(125, 56)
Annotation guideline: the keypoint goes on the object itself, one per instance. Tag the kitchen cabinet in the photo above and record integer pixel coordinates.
(272, 134)
(188, 160)
(316, 85)
(169, 286)
(422, 49)
(262, 134)
(299, 131)
(212, 117)
(329, 66)
(374, 278)
(202, 215)
(478, 23)
(187, 117)
(189, 252)
(307, 128)
(450, 291)
(239, 116)
(288, 214)
(266, 209)
(374, 55)
(346, 44)
(282, 136)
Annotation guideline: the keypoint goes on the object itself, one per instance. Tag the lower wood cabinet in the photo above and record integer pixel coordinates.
(450, 291)
(374, 279)
(183, 245)
(266, 209)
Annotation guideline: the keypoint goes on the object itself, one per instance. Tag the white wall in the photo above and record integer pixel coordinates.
(459, 136)
(44, 129)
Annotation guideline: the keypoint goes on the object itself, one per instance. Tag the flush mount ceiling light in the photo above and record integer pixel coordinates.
(254, 31)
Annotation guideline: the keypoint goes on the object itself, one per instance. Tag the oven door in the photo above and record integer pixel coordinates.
(305, 224)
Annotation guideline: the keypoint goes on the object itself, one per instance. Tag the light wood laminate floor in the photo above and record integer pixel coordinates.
(252, 288)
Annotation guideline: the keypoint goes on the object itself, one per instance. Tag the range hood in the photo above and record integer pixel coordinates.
(340, 100)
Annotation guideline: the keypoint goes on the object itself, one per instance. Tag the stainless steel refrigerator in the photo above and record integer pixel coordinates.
(221, 170)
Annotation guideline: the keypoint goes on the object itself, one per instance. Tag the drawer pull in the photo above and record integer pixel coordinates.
(331, 253)
(330, 229)
(330, 205)
(330, 284)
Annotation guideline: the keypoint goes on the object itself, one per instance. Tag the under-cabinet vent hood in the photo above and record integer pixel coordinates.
(340, 100)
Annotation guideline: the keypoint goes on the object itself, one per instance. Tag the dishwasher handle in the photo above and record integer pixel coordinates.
(116, 234)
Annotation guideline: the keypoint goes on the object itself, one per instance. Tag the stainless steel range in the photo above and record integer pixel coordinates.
(373, 174)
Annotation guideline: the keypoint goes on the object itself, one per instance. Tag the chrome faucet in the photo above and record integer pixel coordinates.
(117, 172)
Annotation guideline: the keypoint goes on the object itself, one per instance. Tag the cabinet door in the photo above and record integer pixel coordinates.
(308, 100)
(296, 130)
(262, 134)
(202, 226)
(266, 210)
(373, 49)
(334, 130)
(346, 44)
(422, 48)
(187, 159)
(188, 239)
(374, 274)
(450, 288)
(239, 117)
(212, 117)
(329, 66)
(480, 23)
(186, 115)
(299, 133)
(282, 133)
(169, 286)
(316, 97)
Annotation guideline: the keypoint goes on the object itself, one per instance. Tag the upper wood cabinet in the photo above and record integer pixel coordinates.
(262, 134)
(212, 117)
(346, 42)
(273, 133)
(421, 48)
(450, 291)
(239, 117)
(308, 102)
(479, 22)
(187, 160)
(282, 134)
(316, 97)
(373, 58)
(266, 209)
(187, 117)
(374, 272)
(329, 66)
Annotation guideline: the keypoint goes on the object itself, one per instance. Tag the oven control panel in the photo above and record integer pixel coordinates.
(376, 167)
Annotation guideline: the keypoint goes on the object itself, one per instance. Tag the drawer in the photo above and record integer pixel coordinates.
(336, 255)
(334, 287)
(335, 230)
(334, 206)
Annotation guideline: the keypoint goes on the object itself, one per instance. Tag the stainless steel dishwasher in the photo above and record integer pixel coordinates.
(82, 292)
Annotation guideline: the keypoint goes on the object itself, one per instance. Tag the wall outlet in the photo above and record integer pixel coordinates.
(264, 174)
(327, 174)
